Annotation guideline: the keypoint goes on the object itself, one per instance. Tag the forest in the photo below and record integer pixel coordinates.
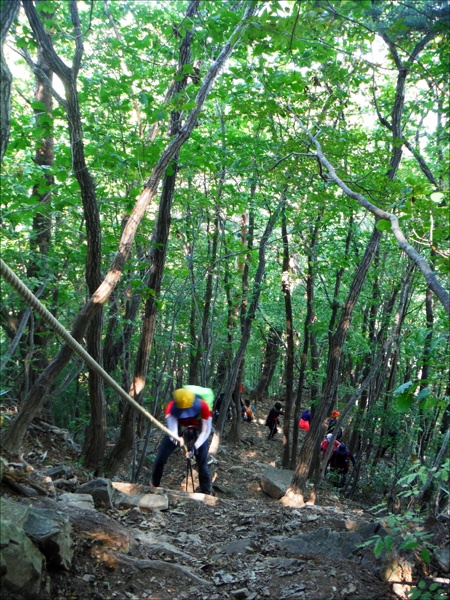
(230, 193)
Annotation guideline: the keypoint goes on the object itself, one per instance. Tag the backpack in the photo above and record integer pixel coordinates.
(205, 394)
(249, 413)
(303, 424)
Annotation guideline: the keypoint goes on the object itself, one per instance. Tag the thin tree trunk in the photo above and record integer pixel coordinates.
(42, 223)
(289, 370)
(307, 337)
(425, 424)
(254, 298)
(8, 12)
(158, 256)
(315, 434)
(269, 363)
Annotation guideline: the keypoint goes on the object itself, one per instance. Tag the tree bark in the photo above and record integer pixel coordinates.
(289, 370)
(8, 12)
(269, 364)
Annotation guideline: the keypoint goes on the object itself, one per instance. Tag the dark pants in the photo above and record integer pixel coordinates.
(272, 428)
(166, 448)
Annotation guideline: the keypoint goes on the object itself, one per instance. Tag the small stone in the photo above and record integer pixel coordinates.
(242, 593)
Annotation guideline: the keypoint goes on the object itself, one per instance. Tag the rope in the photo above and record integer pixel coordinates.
(31, 299)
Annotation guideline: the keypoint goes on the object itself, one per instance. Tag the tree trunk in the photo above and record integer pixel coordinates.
(315, 434)
(289, 371)
(158, 257)
(269, 364)
(42, 226)
(235, 366)
(8, 12)
(307, 338)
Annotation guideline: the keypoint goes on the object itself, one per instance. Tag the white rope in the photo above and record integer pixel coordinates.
(31, 299)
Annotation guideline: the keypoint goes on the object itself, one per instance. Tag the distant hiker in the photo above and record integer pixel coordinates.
(272, 419)
(332, 422)
(247, 411)
(305, 420)
(187, 415)
(324, 445)
(340, 461)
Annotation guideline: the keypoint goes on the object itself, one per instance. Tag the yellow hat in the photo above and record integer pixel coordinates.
(183, 398)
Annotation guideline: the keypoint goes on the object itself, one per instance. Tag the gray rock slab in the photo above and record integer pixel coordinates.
(275, 482)
(145, 502)
(84, 501)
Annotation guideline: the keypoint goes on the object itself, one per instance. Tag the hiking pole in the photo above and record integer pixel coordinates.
(189, 470)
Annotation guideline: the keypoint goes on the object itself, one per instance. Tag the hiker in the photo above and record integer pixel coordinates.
(325, 443)
(247, 411)
(332, 422)
(272, 419)
(340, 462)
(305, 420)
(186, 414)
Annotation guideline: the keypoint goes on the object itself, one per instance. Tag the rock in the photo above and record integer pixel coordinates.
(132, 489)
(226, 490)
(349, 590)
(241, 594)
(396, 568)
(51, 532)
(22, 574)
(59, 471)
(325, 542)
(145, 502)
(275, 482)
(48, 529)
(101, 490)
(84, 501)
(442, 556)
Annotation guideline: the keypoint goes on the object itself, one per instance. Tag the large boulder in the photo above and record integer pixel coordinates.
(22, 565)
(51, 531)
(48, 529)
(275, 482)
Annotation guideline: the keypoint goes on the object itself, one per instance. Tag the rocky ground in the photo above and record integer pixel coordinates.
(239, 543)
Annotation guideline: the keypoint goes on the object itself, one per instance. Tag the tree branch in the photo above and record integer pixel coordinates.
(427, 271)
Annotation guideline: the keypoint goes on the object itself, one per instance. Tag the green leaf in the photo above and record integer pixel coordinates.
(425, 554)
(379, 547)
(384, 225)
(409, 544)
(403, 388)
(423, 393)
(38, 105)
(404, 403)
